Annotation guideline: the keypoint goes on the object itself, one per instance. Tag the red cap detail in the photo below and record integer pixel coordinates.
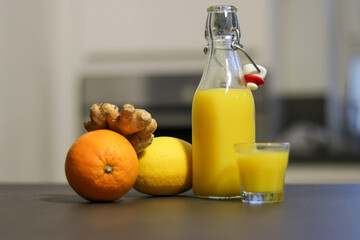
(254, 79)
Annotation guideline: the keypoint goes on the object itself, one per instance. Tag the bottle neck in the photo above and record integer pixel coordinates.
(223, 66)
(220, 43)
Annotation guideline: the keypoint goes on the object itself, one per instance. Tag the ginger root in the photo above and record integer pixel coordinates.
(136, 125)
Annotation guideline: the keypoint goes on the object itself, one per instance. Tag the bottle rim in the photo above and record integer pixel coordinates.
(217, 8)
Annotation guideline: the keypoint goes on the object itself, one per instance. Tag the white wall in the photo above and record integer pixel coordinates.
(301, 46)
(118, 31)
(25, 91)
(38, 89)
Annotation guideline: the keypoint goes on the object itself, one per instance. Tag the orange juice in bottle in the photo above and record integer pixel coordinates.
(223, 111)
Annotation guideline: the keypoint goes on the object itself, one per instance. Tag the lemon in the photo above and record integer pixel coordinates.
(165, 167)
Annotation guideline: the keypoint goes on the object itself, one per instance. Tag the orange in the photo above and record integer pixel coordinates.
(101, 165)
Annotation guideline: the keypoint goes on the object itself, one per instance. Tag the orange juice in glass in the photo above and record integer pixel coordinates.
(262, 169)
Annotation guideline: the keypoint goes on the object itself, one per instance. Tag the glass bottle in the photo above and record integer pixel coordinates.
(223, 111)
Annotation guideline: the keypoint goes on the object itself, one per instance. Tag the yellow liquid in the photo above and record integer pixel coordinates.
(262, 171)
(220, 119)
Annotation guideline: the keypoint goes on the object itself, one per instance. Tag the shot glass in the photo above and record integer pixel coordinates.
(262, 169)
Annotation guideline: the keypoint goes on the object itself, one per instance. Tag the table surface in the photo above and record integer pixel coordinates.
(321, 211)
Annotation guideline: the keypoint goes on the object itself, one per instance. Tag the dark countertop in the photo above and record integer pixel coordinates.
(322, 211)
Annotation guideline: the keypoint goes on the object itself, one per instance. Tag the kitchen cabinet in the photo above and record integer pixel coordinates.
(161, 25)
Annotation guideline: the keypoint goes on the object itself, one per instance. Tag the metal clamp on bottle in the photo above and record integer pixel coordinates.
(252, 79)
(236, 45)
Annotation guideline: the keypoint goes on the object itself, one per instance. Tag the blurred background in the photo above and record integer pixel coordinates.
(57, 57)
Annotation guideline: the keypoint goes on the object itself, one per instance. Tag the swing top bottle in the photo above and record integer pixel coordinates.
(223, 111)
